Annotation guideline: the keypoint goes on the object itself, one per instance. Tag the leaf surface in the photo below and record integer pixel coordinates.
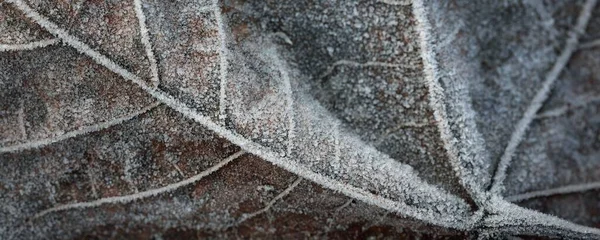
(339, 119)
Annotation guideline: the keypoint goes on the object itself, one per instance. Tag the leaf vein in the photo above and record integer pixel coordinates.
(541, 96)
(223, 56)
(81, 131)
(590, 44)
(574, 188)
(269, 205)
(559, 111)
(139, 12)
(239, 140)
(143, 194)
(29, 46)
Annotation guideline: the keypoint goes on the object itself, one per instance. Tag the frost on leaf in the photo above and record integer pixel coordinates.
(214, 205)
(349, 119)
(110, 27)
(54, 90)
(18, 29)
(157, 145)
(504, 53)
(365, 174)
(510, 56)
(370, 81)
(186, 41)
(563, 152)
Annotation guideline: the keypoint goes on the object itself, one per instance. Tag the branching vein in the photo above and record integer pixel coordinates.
(590, 44)
(84, 130)
(178, 169)
(346, 204)
(559, 111)
(28, 46)
(281, 195)
(509, 215)
(139, 12)
(223, 56)
(144, 194)
(575, 188)
(237, 139)
(74, 42)
(437, 98)
(541, 95)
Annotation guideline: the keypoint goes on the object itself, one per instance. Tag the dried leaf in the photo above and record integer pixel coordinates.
(343, 119)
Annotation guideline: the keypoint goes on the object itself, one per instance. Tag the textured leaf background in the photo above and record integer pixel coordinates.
(337, 119)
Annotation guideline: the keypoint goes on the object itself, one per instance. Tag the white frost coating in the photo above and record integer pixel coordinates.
(144, 194)
(223, 55)
(437, 98)
(287, 88)
(211, 8)
(385, 136)
(344, 62)
(127, 174)
(28, 46)
(281, 195)
(590, 44)
(283, 37)
(505, 214)
(411, 183)
(139, 12)
(541, 95)
(52, 192)
(575, 188)
(395, 2)
(84, 130)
